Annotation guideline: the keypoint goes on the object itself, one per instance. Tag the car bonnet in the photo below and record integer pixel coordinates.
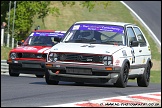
(31, 49)
(86, 48)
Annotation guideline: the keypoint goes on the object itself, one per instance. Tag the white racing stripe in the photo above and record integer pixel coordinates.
(47, 51)
(42, 50)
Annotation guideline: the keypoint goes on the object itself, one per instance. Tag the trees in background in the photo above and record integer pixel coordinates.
(26, 10)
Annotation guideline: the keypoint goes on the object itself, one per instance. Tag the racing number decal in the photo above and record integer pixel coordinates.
(124, 53)
(29, 48)
(133, 56)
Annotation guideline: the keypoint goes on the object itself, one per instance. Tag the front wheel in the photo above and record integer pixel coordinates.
(123, 77)
(144, 80)
(48, 80)
(11, 72)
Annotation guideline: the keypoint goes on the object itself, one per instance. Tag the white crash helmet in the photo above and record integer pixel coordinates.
(88, 34)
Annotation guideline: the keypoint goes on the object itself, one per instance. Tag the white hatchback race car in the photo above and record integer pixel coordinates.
(100, 52)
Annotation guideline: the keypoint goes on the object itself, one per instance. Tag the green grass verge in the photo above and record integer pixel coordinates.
(5, 52)
(155, 77)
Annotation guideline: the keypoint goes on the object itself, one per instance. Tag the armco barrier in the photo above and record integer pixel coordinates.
(4, 66)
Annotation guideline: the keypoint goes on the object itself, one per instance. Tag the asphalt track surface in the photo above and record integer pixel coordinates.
(29, 91)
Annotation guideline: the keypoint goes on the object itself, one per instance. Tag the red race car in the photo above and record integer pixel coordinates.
(30, 56)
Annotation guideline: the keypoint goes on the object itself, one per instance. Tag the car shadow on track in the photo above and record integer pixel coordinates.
(61, 83)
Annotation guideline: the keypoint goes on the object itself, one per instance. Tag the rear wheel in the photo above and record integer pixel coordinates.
(48, 80)
(11, 72)
(123, 77)
(144, 80)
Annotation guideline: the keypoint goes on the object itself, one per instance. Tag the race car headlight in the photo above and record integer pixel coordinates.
(53, 57)
(13, 55)
(107, 60)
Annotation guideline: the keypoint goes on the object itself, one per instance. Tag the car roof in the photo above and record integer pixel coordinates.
(105, 22)
(44, 31)
(49, 31)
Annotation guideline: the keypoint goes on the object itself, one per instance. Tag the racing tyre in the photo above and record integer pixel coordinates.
(48, 80)
(39, 76)
(11, 72)
(123, 77)
(144, 80)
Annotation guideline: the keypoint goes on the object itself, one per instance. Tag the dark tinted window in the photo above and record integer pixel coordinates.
(140, 37)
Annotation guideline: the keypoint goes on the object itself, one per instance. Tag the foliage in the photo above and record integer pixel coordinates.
(91, 4)
(22, 13)
(4, 10)
(88, 4)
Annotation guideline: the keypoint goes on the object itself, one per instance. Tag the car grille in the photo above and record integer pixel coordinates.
(81, 58)
(78, 71)
(31, 55)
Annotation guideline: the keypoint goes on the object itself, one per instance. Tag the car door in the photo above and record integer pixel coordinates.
(144, 48)
(136, 60)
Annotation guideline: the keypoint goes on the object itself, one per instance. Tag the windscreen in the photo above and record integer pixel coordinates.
(44, 38)
(96, 33)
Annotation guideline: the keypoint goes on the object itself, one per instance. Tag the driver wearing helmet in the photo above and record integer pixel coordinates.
(86, 34)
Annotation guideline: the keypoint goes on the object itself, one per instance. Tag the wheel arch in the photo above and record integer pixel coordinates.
(126, 61)
(149, 62)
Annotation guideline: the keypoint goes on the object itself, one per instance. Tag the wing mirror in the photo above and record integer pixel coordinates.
(133, 43)
(20, 42)
(57, 39)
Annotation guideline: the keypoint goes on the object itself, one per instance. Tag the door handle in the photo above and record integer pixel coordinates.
(140, 50)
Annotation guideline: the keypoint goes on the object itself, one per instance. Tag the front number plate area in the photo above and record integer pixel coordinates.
(31, 65)
(79, 71)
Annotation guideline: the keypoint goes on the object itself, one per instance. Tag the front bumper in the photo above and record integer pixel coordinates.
(82, 72)
(27, 66)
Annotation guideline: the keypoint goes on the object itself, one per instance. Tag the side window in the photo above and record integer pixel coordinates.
(140, 37)
(131, 35)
